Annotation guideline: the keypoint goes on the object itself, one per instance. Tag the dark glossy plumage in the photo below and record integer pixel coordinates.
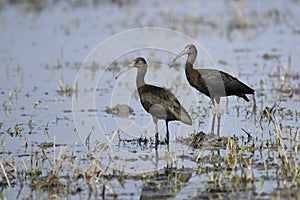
(162, 104)
(157, 101)
(216, 84)
(213, 83)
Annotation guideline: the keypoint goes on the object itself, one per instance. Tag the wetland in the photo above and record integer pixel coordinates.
(58, 143)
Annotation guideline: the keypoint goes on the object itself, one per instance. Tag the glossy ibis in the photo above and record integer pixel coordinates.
(211, 82)
(157, 101)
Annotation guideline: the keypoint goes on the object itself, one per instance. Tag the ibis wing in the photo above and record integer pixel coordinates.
(163, 104)
(213, 81)
(223, 84)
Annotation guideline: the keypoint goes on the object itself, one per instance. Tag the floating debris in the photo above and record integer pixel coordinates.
(46, 145)
(120, 110)
(267, 56)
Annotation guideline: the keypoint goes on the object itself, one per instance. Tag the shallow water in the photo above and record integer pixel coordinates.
(43, 50)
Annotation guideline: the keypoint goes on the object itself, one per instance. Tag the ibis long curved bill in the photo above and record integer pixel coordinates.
(125, 69)
(184, 52)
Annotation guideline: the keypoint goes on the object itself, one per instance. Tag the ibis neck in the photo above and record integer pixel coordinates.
(140, 78)
(191, 58)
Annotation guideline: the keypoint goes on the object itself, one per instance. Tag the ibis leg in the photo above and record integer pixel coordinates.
(156, 132)
(219, 121)
(213, 123)
(156, 158)
(219, 118)
(214, 116)
(167, 133)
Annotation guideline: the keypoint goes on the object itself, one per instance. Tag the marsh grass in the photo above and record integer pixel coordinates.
(66, 90)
